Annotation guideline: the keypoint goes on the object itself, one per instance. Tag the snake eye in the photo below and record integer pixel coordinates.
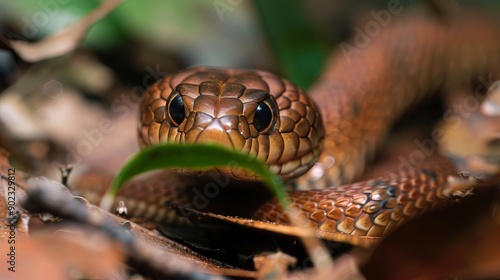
(263, 116)
(176, 110)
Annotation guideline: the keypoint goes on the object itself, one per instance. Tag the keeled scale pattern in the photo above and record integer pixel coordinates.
(368, 208)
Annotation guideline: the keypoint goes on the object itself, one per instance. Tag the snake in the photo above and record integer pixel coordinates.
(321, 141)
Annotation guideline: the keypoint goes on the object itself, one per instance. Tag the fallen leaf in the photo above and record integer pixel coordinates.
(62, 41)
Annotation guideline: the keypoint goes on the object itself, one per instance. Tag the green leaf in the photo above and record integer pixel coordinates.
(200, 156)
(293, 39)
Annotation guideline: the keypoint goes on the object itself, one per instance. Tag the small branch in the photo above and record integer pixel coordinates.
(49, 196)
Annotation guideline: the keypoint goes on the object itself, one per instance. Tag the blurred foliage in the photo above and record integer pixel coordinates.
(294, 40)
(143, 20)
(218, 33)
(41, 18)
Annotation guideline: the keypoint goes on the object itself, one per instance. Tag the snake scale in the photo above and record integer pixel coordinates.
(335, 129)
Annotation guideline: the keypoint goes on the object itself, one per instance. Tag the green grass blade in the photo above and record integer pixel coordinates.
(201, 156)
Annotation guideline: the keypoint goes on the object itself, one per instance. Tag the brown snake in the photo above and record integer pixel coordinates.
(358, 97)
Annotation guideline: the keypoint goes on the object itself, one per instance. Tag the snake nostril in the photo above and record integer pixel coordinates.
(177, 110)
(263, 116)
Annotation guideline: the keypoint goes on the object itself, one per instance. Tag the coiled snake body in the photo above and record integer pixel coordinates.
(341, 122)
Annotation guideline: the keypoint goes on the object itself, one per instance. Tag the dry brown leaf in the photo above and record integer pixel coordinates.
(302, 232)
(30, 263)
(62, 41)
(56, 253)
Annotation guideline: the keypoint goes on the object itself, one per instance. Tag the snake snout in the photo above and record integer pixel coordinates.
(215, 132)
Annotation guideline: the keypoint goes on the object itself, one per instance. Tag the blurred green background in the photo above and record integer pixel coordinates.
(289, 37)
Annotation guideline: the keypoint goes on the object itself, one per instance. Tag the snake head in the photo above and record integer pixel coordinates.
(251, 111)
